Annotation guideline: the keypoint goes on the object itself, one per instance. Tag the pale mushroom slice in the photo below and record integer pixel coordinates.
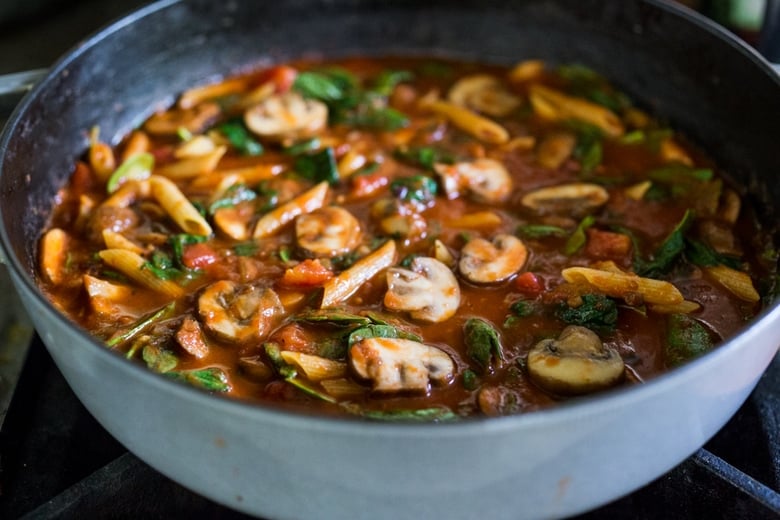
(574, 199)
(575, 363)
(485, 180)
(328, 231)
(400, 365)
(429, 290)
(485, 261)
(286, 116)
(484, 93)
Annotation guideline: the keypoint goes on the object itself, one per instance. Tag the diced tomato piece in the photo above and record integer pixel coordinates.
(293, 337)
(606, 245)
(365, 185)
(309, 273)
(529, 284)
(281, 76)
(198, 256)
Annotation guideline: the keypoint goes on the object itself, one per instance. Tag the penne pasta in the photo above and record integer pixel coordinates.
(279, 217)
(315, 368)
(128, 193)
(116, 240)
(178, 207)
(737, 282)
(557, 106)
(476, 220)
(54, 255)
(339, 288)
(197, 95)
(684, 307)
(341, 388)
(138, 142)
(620, 285)
(132, 265)
(194, 166)
(198, 146)
(470, 122)
(247, 175)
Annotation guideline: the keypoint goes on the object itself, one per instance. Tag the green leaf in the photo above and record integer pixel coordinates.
(523, 308)
(212, 379)
(301, 147)
(181, 240)
(424, 156)
(668, 252)
(159, 359)
(372, 116)
(701, 254)
(240, 138)
(686, 339)
(577, 239)
(319, 86)
(331, 317)
(379, 331)
(597, 312)
(470, 380)
(417, 188)
(679, 173)
(483, 343)
(540, 231)
(234, 195)
(141, 325)
(318, 166)
(245, 248)
(387, 80)
(136, 168)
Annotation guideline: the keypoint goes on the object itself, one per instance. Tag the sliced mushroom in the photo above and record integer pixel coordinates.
(195, 119)
(485, 180)
(575, 199)
(400, 365)
(575, 363)
(555, 148)
(191, 339)
(484, 261)
(329, 231)
(428, 291)
(287, 116)
(484, 93)
(238, 313)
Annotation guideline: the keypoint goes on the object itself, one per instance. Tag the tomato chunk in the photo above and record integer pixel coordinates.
(529, 284)
(309, 273)
(198, 256)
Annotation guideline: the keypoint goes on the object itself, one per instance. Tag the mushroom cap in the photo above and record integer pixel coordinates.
(575, 363)
(286, 116)
(400, 365)
(429, 290)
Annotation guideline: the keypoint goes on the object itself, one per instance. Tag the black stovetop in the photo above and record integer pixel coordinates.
(56, 461)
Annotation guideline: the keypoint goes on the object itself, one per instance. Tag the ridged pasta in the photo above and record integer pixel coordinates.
(315, 368)
(178, 207)
(619, 285)
(132, 265)
(344, 285)
(277, 218)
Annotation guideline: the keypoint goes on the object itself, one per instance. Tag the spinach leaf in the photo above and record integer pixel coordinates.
(540, 231)
(701, 254)
(212, 379)
(585, 82)
(483, 343)
(379, 331)
(686, 339)
(470, 380)
(159, 359)
(318, 166)
(577, 239)
(141, 324)
(305, 146)
(240, 138)
(246, 248)
(322, 86)
(387, 80)
(667, 253)
(332, 317)
(179, 241)
(234, 195)
(597, 312)
(417, 188)
(424, 156)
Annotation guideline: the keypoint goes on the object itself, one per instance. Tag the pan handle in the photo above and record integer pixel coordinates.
(14, 86)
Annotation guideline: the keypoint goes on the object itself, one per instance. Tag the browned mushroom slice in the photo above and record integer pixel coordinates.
(286, 116)
(575, 363)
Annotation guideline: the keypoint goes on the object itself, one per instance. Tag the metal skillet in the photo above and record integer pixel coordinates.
(277, 464)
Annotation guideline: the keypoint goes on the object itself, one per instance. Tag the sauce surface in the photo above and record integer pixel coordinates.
(405, 238)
